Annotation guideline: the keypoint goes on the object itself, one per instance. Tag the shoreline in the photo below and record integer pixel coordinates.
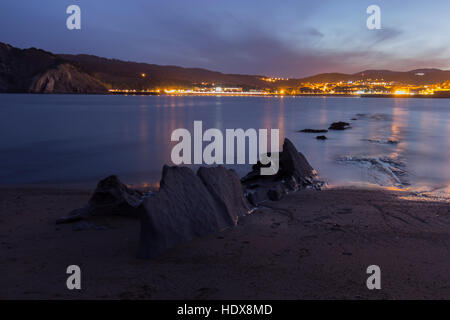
(386, 96)
(321, 243)
(441, 192)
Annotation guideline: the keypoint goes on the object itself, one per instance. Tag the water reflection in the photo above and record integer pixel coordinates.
(399, 122)
(130, 136)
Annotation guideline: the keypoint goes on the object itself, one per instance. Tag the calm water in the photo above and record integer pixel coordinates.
(78, 139)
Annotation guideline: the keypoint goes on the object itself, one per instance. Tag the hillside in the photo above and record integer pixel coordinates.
(129, 75)
(38, 71)
(414, 77)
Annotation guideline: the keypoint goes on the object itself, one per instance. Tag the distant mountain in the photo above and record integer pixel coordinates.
(39, 71)
(414, 77)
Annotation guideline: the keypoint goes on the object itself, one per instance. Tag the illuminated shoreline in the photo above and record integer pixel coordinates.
(244, 94)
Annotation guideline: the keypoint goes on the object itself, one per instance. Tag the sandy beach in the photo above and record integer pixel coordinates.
(310, 245)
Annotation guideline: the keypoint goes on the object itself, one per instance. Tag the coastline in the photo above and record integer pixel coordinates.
(250, 95)
(321, 245)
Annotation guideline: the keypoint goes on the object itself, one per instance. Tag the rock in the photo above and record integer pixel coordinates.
(339, 126)
(255, 174)
(294, 164)
(182, 210)
(226, 189)
(84, 225)
(258, 196)
(112, 197)
(292, 184)
(321, 138)
(313, 131)
(276, 193)
(295, 173)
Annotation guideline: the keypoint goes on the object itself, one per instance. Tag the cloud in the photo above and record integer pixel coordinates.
(386, 34)
(295, 39)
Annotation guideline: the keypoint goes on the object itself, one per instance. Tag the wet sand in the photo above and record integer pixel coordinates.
(310, 245)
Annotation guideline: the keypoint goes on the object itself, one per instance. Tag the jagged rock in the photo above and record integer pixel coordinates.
(294, 173)
(339, 126)
(111, 197)
(255, 174)
(294, 164)
(182, 210)
(226, 188)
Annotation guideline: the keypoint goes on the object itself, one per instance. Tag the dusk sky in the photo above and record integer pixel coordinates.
(275, 38)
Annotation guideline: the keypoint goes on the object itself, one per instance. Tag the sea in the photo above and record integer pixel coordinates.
(76, 140)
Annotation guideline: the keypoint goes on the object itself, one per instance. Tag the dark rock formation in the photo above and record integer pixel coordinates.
(111, 197)
(294, 173)
(65, 78)
(339, 126)
(276, 193)
(293, 164)
(225, 187)
(321, 138)
(314, 131)
(258, 195)
(189, 206)
(381, 141)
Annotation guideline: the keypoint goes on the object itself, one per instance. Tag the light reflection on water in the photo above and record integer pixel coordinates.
(67, 139)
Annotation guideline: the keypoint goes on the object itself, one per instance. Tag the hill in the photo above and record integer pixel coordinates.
(38, 71)
(134, 75)
(414, 77)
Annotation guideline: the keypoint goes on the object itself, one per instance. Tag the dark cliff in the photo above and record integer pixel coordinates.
(38, 71)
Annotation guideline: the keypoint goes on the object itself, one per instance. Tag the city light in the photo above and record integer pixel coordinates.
(364, 87)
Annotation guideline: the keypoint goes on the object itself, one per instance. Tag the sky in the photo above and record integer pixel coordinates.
(273, 38)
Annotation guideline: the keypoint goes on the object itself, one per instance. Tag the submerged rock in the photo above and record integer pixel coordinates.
(381, 141)
(185, 208)
(321, 138)
(314, 131)
(339, 126)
